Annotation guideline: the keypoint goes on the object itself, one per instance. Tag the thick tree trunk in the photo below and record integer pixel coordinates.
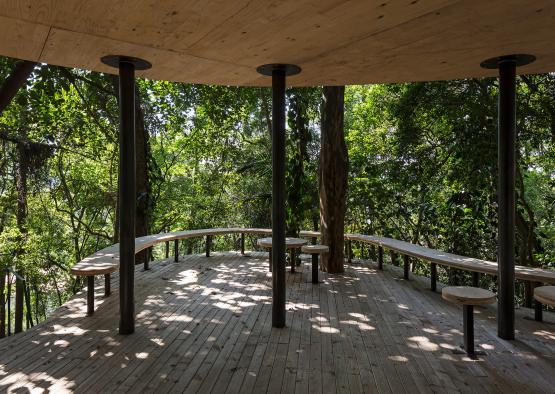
(333, 177)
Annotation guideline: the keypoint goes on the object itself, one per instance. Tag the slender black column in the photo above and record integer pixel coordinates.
(242, 244)
(315, 268)
(506, 189)
(380, 258)
(126, 183)
(278, 198)
(506, 198)
(127, 197)
(278, 73)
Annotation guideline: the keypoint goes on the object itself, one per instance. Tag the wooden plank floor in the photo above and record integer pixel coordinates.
(204, 325)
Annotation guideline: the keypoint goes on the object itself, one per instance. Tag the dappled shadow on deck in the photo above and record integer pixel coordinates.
(204, 324)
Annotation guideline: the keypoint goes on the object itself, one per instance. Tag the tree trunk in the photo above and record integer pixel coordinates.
(21, 215)
(142, 179)
(2, 304)
(333, 177)
(15, 80)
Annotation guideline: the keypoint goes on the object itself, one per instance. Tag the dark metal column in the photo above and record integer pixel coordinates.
(126, 185)
(506, 189)
(380, 258)
(278, 73)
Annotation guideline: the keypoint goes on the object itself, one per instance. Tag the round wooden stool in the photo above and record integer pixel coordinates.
(543, 295)
(315, 251)
(468, 297)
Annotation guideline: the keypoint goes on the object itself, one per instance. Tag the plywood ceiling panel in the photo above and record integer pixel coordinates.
(333, 41)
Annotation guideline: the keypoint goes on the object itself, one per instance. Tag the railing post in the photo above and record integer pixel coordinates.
(167, 249)
(90, 295)
(242, 244)
(208, 244)
(433, 276)
(406, 266)
(176, 250)
(538, 307)
(147, 259)
(393, 257)
(476, 279)
(380, 258)
(107, 285)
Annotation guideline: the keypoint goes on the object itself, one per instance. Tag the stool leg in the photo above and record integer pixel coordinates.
(314, 268)
(90, 295)
(538, 312)
(433, 276)
(468, 324)
(107, 288)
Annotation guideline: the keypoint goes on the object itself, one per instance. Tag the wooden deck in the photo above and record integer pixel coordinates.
(204, 325)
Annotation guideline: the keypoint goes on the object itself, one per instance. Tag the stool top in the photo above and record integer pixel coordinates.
(290, 243)
(545, 295)
(315, 249)
(466, 295)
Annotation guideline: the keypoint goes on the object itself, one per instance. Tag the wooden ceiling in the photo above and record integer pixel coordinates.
(335, 42)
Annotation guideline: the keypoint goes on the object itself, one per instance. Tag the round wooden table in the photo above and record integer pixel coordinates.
(290, 243)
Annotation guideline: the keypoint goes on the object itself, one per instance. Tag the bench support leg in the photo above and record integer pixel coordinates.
(380, 258)
(406, 267)
(314, 268)
(476, 279)
(146, 255)
(292, 257)
(176, 250)
(349, 251)
(167, 250)
(208, 244)
(468, 328)
(538, 312)
(242, 244)
(433, 276)
(107, 285)
(90, 295)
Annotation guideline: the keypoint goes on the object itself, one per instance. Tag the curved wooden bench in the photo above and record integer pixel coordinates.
(315, 251)
(543, 295)
(106, 260)
(477, 266)
(468, 297)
